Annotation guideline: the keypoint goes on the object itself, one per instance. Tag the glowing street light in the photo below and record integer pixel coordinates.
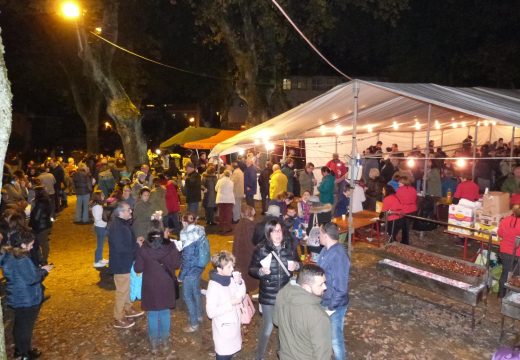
(158, 151)
(70, 10)
(192, 120)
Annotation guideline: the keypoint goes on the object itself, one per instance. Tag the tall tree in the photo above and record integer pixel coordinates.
(5, 132)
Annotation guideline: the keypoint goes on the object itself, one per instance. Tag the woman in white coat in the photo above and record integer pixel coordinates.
(225, 201)
(226, 289)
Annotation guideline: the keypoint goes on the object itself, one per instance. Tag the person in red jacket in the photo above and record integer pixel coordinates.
(394, 220)
(407, 195)
(173, 205)
(508, 230)
(467, 189)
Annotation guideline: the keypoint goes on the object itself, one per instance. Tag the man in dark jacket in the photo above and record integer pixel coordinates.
(250, 182)
(123, 246)
(60, 196)
(263, 182)
(336, 264)
(82, 183)
(192, 188)
(303, 325)
(288, 170)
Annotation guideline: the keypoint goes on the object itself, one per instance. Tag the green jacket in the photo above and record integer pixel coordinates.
(326, 189)
(510, 185)
(303, 325)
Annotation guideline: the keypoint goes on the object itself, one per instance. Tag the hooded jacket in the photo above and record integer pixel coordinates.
(122, 246)
(336, 264)
(158, 291)
(189, 236)
(508, 229)
(303, 325)
(277, 184)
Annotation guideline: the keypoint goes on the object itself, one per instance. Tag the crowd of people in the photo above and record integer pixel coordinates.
(139, 211)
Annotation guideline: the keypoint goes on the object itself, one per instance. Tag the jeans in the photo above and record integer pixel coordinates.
(237, 208)
(337, 322)
(173, 222)
(191, 296)
(43, 242)
(265, 330)
(82, 208)
(210, 214)
(100, 237)
(24, 320)
(193, 207)
(158, 324)
(223, 357)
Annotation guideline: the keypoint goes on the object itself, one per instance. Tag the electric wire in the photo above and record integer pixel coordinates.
(308, 41)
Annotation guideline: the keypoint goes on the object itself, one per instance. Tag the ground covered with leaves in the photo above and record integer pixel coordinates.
(386, 319)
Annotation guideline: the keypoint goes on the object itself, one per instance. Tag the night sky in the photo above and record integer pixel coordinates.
(456, 42)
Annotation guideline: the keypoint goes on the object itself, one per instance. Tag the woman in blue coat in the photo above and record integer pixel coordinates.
(24, 291)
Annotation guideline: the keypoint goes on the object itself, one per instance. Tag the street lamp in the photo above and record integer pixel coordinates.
(71, 11)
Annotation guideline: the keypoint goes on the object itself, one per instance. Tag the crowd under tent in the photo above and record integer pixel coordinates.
(352, 116)
(211, 142)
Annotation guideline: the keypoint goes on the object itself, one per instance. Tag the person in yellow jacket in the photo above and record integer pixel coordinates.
(277, 183)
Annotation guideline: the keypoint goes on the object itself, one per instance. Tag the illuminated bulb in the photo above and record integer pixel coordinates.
(98, 30)
(257, 141)
(395, 125)
(437, 124)
(461, 163)
(269, 146)
(417, 126)
(486, 123)
(410, 163)
(323, 129)
(339, 130)
(463, 124)
(334, 116)
(158, 151)
(70, 10)
(241, 152)
(452, 118)
(493, 122)
(478, 123)
(454, 125)
(369, 128)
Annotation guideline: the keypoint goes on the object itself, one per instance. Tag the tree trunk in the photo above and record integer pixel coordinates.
(5, 131)
(92, 134)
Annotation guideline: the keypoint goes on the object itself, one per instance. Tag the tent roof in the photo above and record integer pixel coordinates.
(189, 134)
(382, 107)
(209, 143)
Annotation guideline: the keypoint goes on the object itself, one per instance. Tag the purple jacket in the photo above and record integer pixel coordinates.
(158, 292)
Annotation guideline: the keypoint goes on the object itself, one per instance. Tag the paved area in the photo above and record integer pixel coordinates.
(386, 320)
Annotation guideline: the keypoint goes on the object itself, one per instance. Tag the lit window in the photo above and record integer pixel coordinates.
(286, 84)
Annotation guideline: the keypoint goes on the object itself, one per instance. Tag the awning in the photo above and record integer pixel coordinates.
(209, 143)
(189, 134)
(383, 107)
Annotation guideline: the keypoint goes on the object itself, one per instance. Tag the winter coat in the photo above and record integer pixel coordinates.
(392, 203)
(225, 318)
(158, 291)
(224, 189)
(277, 184)
(106, 181)
(306, 182)
(303, 325)
(289, 173)
(24, 288)
(326, 189)
(190, 236)
(158, 199)
(210, 196)
(122, 246)
(238, 184)
(467, 190)
(508, 230)
(243, 249)
(82, 183)
(336, 264)
(250, 180)
(172, 198)
(192, 187)
(142, 215)
(272, 283)
(510, 185)
(263, 181)
(408, 197)
(433, 183)
(40, 218)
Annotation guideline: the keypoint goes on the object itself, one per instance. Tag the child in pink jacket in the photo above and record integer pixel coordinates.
(226, 289)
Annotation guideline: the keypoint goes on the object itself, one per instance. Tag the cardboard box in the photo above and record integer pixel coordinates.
(489, 223)
(461, 216)
(495, 202)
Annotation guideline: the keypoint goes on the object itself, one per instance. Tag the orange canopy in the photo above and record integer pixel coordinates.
(209, 143)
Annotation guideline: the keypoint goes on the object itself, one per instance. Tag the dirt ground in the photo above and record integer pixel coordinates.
(386, 319)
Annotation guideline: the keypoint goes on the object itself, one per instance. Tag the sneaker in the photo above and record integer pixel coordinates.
(105, 261)
(100, 264)
(132, 313)
(123, 324)
(34, 353)
(190, 328)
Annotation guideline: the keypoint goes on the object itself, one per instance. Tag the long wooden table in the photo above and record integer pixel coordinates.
(483, 242)
(360, 220)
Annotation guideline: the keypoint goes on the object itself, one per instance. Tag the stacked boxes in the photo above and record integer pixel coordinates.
(489, 223)
(462, 216)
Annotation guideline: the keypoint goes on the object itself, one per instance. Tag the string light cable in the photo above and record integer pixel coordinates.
(313, 47)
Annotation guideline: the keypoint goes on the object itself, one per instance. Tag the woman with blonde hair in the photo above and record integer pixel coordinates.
(226, 290)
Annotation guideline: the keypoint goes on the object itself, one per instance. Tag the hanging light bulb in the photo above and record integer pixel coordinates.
(339, 130)
(437, 124)
(486, 123)
(454, 125)
(257, 142)
(461, 163)
(463, 124)
(417, 125)
(493, 122)
(410, 163)
(323, 129)
(369, 128)
(395, 125)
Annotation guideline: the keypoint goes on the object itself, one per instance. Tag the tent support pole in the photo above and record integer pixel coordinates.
(442, 138)
(284, 152)
(336, 147)
(512, 147)
(490, 132)
(353, 167)
(474, 152)
(413, 138)
(427, 150)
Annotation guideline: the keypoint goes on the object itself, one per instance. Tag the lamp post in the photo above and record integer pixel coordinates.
(71, 11)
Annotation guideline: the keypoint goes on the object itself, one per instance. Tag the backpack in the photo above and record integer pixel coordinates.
(246, 310)
(203, 253)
